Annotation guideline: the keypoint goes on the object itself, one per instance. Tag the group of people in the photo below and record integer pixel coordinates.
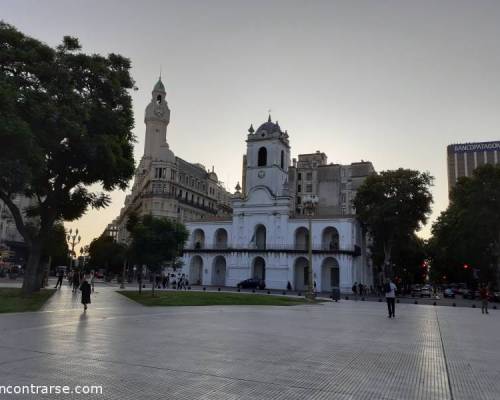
(390, 296)
(78, 281)
(163, 281)
(360, 289)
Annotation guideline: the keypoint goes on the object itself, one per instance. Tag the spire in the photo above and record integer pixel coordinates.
(159, 87)
(251, 130)
(269, 119)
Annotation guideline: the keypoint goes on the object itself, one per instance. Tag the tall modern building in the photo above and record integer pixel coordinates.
(464, 158)
(166, 185)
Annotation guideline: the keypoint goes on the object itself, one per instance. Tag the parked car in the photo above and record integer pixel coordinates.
(252, 283)
(426, 291)
(470, 294)
(495, 296)
(415, 291)
(449, 293)
(14, 271)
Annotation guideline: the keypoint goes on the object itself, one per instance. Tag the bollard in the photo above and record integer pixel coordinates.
(299, 294)
(454, 304)
(218, 289)
(362, 299)
(473, 306)
(284, 293)
(268, 292)
(434, 303)
(347, 297)
(416, 302)
(204, 288)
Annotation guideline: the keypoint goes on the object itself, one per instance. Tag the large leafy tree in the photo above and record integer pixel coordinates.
(468, 232)
(392, 206)
(156, 241)
(65, 124)
(105, 252)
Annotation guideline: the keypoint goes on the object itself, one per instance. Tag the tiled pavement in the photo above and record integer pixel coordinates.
(344, 350)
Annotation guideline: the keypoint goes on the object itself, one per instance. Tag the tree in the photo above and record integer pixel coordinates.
(65, 124)
(156, 241)
(466, 236)
(105, 252)
(392, 206)
(55, 245)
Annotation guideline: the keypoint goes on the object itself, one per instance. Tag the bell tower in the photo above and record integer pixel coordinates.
(267, 158)
(156, 118)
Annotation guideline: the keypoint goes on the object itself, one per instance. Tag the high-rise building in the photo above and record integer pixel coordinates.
(464, 158)
(168, 186)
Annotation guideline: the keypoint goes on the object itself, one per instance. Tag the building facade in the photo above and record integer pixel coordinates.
(11, 241)
(168, 186)
(267, 235)
(464, 158)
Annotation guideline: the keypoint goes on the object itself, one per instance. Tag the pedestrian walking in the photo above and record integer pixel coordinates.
(390, 297)
(355, 289)
(360, 289)
(92, 280)
(86, 290)
(483, 295)
(60, 276)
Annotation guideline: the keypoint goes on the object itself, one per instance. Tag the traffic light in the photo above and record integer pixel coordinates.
(466, 266)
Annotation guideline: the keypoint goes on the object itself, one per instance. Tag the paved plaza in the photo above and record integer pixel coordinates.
(344, 350)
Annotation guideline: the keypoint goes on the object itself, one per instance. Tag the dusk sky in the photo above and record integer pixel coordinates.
(393, 82)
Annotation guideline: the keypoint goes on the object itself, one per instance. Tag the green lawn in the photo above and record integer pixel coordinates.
(209, 299)
(11, 300)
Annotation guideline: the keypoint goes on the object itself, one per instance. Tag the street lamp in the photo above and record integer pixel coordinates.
(73, 240)
(310, 202)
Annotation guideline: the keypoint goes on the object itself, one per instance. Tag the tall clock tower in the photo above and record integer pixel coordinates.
(156, 118)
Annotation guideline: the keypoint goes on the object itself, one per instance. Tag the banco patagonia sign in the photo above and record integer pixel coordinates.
(471, 147)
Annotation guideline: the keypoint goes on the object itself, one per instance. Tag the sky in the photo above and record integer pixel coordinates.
(392, 82)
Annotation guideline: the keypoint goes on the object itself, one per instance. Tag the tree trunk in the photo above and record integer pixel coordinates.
(386, 268)
(32, 281)
(153, 285)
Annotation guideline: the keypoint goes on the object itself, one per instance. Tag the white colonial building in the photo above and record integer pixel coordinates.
(266, 238)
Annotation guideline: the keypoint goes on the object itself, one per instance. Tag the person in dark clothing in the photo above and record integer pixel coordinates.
(76, 281)
(60, 276)
(86, 289)
(288, 286)
(355, 289)
(360, 289)
(390, 297)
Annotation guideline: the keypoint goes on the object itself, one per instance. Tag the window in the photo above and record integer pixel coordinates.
(158, 99)
(262, 157)
(299, 188)
(309, 176)
(309, 188)
(298, 200)
(282, 159)
(299, 176)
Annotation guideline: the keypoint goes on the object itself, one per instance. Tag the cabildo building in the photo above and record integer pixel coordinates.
(267, 235)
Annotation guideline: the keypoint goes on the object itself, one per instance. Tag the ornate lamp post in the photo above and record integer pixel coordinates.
(310, 203)
(73, 240)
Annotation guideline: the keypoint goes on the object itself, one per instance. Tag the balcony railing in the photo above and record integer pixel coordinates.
(200, 247)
